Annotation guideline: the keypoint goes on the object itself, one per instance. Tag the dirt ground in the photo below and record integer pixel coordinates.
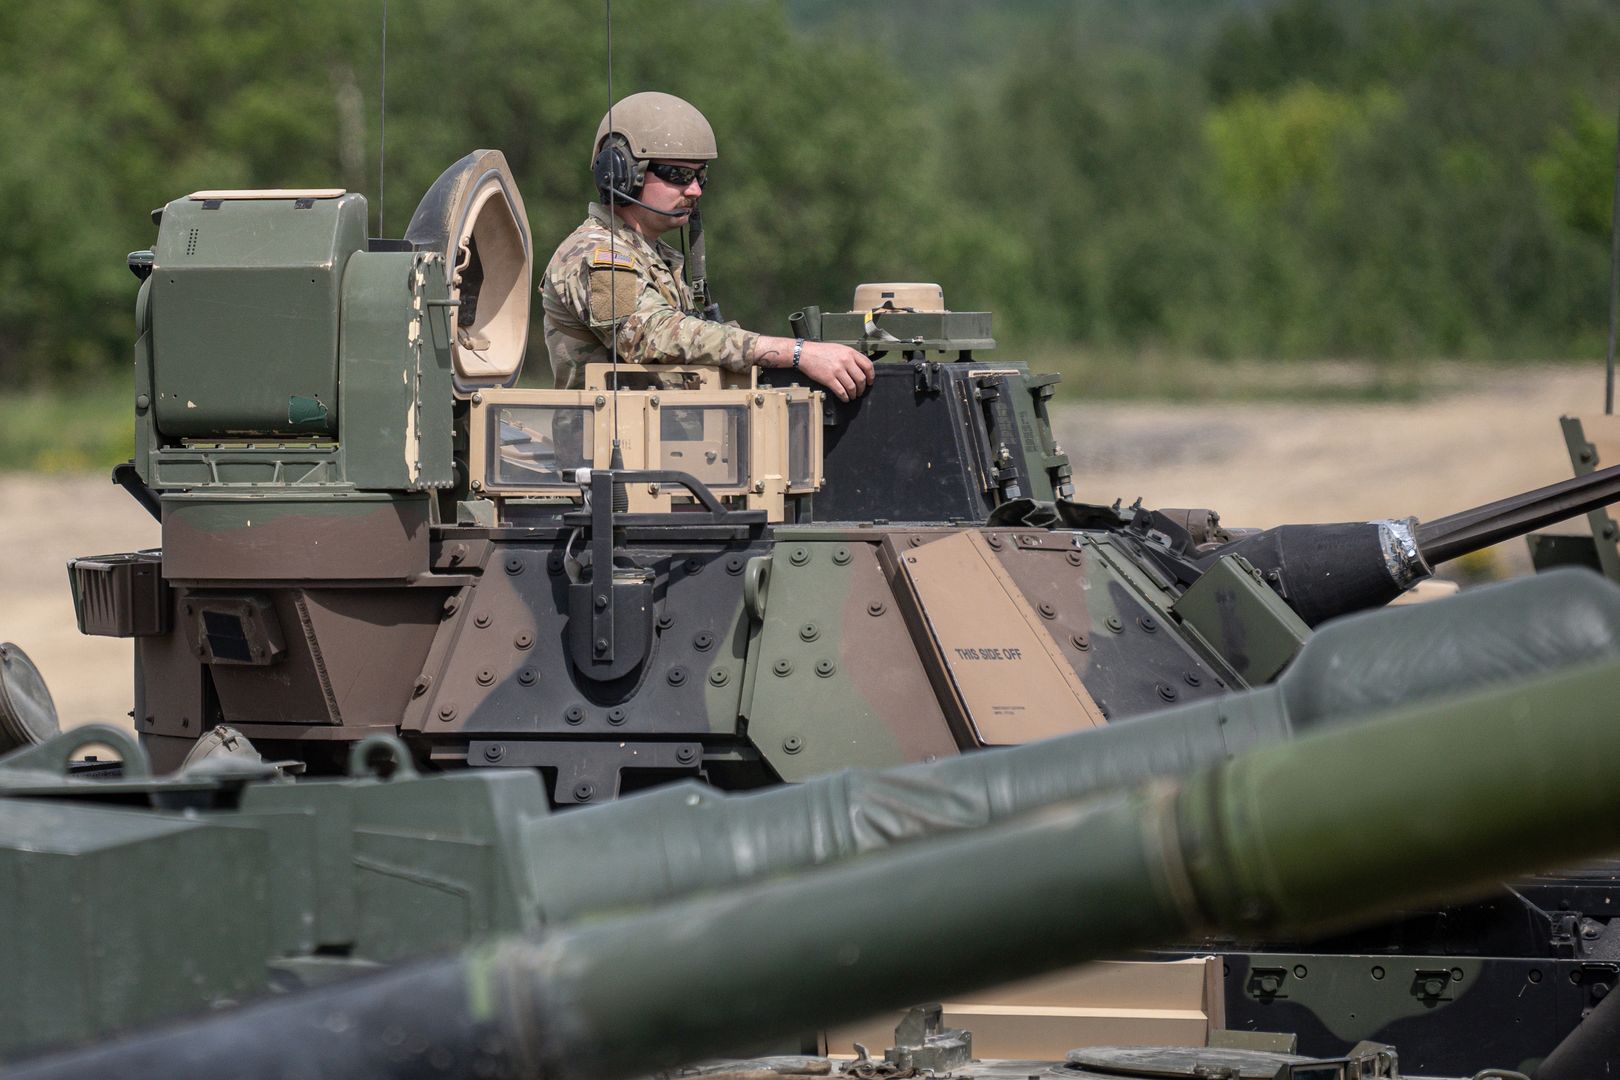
(1257, 464)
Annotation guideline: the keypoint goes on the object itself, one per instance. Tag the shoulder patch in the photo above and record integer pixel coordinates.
(609, 257)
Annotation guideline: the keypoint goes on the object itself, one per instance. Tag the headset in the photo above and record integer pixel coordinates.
(619, 173)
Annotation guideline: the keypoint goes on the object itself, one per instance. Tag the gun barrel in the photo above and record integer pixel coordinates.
(1458, 534)
(1290, 837)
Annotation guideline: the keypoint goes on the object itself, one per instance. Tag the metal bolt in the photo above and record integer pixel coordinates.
(1047, 610)
(841, 556)
(600, 401)
(694, 566)
(1075, 558)
(1433, 987)
(1114, 624)
(1377, 972)
(554, 564)
(653, 401)
(485, 677)
(734, 565)
(1600, 991)
(527, 676)
(514, 564)
(793, 744)
(574, 714)
(1192, 680)
(616, 715)
(458, 552)
(799, 556)
(876, 607)
(523, 640)
(584, 792)
(703, 642)
(994, 541)
(477, 485)
(1269, 984)
(601, 601)
(477, 398)
(825, 668)
(1299, 971)
(1079, 641)
(759, 399)
(1147, 623)
(481, 620)
(421, 685)
(494, 752)
(783, 667)
(601, 644)
(1456, 974)
(676, 676)
(1165, 691)
(718, 677)
(451, 604)
(447, 713)
(1534, 976)
(685, 754)
(914, 541)
(809, 631)
(665, 621)
(759, 487)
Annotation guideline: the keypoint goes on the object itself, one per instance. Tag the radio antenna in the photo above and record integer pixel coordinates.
(382, 120)
(1614, 279)
(616, 460)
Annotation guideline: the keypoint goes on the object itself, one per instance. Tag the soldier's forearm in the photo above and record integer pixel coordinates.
(770, 352)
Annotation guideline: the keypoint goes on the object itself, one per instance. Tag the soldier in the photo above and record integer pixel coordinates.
(614, 275)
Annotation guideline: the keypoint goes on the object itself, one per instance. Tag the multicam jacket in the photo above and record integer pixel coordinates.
(606, 276)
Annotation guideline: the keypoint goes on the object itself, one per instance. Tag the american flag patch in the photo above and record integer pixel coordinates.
(620, 260)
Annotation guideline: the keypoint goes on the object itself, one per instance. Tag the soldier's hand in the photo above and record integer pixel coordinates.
(841, 369)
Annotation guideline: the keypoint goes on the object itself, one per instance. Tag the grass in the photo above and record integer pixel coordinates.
(86, 427)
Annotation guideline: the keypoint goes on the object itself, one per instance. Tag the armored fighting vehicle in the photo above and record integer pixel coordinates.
(668, 574)
(604, 942)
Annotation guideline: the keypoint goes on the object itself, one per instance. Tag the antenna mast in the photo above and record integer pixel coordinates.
(1614, 279)
(382, 120)
(616, 460)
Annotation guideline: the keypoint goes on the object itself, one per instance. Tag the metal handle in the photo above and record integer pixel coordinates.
(756, 585)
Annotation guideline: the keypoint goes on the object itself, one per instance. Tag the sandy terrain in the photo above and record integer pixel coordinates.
(1256, 464)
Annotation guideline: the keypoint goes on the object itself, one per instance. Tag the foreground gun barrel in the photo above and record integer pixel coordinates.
(685, 839)
(1283, 840)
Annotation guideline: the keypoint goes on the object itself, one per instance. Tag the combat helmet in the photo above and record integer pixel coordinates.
(655, 125)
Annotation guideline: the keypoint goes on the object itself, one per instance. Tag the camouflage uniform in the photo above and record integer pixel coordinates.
(606, 274)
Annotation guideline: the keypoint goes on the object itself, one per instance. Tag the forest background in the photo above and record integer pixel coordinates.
(1390, 181)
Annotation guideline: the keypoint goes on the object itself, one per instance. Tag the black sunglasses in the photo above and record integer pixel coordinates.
(680, 175)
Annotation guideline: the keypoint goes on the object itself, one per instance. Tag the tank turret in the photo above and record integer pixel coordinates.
(382, 532)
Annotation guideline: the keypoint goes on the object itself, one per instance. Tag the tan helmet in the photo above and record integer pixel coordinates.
(659, 126)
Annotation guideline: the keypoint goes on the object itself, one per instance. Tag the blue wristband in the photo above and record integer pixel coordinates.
(798, 351)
